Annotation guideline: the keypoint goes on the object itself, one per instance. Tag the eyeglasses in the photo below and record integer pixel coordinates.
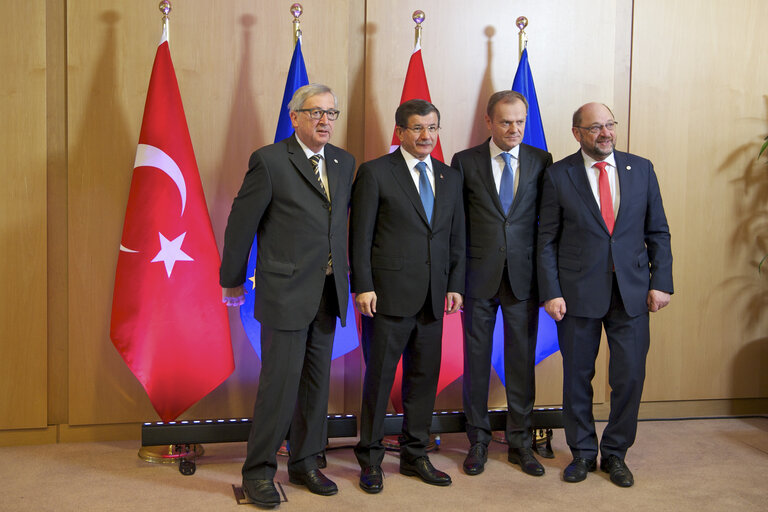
(416, 130)
(317, 113)
(597, 128)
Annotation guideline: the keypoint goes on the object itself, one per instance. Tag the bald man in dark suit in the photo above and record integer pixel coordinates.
(604, 261)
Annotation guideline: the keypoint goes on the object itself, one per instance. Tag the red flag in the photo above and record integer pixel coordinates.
(452, 360)
(168, 322)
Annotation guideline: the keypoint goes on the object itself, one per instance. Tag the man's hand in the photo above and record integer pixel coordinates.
(233, 297)
(453, 302)
(366, 303)
(555, 308)
(657, 300)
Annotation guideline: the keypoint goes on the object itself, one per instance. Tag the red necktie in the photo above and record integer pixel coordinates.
(606, 202)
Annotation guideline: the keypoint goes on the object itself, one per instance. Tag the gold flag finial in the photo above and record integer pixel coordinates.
(521, 23)
(165, 8)
(418, 18)
(296, 10)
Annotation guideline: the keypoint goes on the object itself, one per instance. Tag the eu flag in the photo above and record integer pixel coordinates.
(546, 340)
(346, 338)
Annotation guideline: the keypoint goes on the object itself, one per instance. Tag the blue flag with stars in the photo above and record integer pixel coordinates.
(546, 340)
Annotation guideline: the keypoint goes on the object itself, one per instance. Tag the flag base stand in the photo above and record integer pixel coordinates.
(185, 455)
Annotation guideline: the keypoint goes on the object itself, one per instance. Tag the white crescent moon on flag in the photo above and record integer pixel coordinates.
(150, 156)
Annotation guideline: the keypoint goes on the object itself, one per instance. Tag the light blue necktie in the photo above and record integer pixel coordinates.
(507, 185)
(425, 190)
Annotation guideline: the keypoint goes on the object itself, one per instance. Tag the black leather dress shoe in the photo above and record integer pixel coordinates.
(315, 481)
(372, 479)
(424, 469)
(477, 456)
(261, 492)
(620, 473)
(578, 468)
(524, 457)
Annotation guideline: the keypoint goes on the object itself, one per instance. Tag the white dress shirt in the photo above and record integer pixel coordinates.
(411, 161)
(320, 165)
(593, 174)
(497, 164)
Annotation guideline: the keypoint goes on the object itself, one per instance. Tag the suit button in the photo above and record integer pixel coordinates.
(502, 249)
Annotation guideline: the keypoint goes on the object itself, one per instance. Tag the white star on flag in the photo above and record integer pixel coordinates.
(170, 252)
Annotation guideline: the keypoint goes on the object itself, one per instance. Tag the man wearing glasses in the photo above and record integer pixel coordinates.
(407, 252)
(295, 197)
(604, 261)
(502, 188)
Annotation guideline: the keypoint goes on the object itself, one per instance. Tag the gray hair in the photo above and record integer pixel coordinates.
(302, 94)
(506, 96)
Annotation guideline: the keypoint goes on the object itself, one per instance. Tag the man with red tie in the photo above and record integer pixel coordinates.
(604, 261)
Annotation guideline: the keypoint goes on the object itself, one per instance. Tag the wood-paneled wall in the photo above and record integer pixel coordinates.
(687, 87)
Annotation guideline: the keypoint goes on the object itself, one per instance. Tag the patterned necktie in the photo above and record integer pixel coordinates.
(507, 184)
(606, 201)
(315, 159)
(425, 190)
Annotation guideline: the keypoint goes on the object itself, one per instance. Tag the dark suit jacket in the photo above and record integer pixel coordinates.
(576, 254)
(281, 201)
(495, 237)
(393, 249)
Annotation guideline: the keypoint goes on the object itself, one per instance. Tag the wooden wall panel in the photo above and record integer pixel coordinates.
(468, 54)
(23, 355)
(699, 111)
(231, 61)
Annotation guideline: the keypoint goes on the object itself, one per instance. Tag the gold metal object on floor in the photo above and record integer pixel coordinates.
(170, 453)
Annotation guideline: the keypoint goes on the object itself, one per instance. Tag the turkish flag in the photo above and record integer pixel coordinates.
(452, 359)
(168, 322)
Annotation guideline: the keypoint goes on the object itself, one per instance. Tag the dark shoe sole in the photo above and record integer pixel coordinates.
(413, 472)
(620, 484)
(264, 504)
(473, 472)
(371, 490)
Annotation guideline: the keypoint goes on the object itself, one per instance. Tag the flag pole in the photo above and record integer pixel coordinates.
(296, 10)
(418, 17)
(521, 23)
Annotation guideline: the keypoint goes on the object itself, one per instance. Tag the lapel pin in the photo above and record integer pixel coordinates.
(629, 167)
(335, 161)
(441, 175)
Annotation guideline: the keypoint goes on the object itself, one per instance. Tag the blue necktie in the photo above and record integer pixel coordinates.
(507, 184)
(425, 190)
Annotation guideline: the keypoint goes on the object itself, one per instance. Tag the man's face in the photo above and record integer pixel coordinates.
(600, 144)
(416, 138)
(315, 133)
(507, 124)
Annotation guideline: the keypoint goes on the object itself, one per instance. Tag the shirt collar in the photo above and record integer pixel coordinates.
(496, 150)
(589, 161)
(308, 151)
(411, 161)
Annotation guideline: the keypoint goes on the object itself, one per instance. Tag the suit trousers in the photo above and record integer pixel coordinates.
(293, 393)
(628, 343)
(521, 320)
(418, 339)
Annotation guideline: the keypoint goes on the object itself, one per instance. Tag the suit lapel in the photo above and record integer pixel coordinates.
(523, 176)
(483, 162)
(331, 170)
(578, 176)
(403, 177)
(625, 181)
(301, 162)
